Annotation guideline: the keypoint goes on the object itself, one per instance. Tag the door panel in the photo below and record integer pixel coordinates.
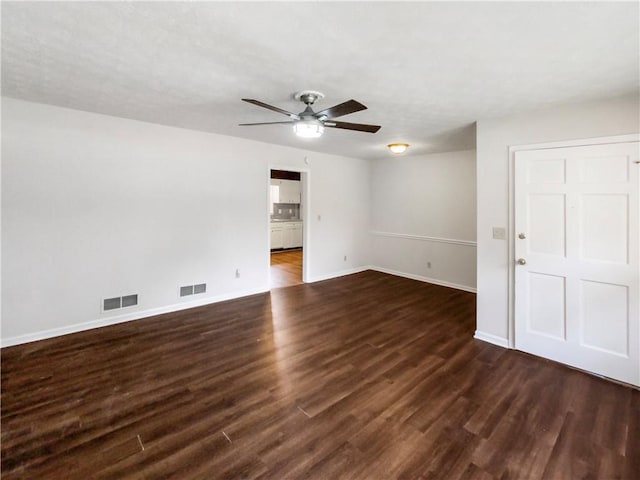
(605, 227)
(547, 305)
(577, 291)
(607, 169)
(547, 170)
(546, 223)
(605, 317)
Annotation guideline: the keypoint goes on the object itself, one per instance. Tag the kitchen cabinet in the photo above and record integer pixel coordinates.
(287, 191)
(277, 238)
(291, 191)
(296, 239)
(286, 235)
(292, 235)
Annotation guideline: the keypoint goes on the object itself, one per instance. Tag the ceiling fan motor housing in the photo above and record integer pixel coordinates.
(308, 97)
(307, 114)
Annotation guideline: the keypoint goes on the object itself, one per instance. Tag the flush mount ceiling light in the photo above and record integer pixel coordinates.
(308, 128)
(398, 148)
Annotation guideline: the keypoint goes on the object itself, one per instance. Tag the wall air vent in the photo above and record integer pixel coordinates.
(193, 289)
(129, 301)
(111, 303)
(119, 302)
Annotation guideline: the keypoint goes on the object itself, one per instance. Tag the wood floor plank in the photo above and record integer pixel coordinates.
(366, 376)
(286, 268)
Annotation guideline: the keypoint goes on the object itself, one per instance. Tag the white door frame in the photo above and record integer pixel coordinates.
(635, 137)
(305, 198)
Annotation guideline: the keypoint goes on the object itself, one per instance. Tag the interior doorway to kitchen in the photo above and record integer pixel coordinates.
(287, 201)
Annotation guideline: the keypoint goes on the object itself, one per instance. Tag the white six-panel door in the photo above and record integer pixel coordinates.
(577, 288)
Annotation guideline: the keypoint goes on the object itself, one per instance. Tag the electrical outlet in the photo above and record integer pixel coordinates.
(428, 264)
(499, 233)
(237, 273)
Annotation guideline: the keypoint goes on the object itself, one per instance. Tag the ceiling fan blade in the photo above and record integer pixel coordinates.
(271, 107)
(265, 123)
(350, 106)
(360, 127)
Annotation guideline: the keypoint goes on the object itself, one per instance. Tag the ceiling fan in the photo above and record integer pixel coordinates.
(310, 124)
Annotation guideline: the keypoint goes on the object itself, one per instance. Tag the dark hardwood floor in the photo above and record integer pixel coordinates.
(286, 268)
(367, 376)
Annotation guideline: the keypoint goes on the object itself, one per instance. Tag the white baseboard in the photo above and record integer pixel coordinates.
(137, 315)
(140, 314)
(420, 278)
(488, 337)
(341, 273)
(104, 322)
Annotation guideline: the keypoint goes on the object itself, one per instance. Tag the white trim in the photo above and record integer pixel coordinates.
(453, 241)
(494, 339)
(340, 273)
(627, 138)
(631, 137)
(105, 322)
(80, 327)
(305, 198)
(420, 278)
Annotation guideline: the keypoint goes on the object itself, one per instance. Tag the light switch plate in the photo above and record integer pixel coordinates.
(499, 233)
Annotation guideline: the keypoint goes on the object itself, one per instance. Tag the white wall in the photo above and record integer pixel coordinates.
(96, 206)
(338, 212)
(424, 210)
(494, 137)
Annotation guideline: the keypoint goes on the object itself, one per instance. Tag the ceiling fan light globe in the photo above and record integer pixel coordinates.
(308, 128)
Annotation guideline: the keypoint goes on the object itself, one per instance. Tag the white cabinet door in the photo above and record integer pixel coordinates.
(289, 191)
(277, 240)
(287, 235)
(295, 192)
(274, 190)
(577, 288)
(297, 235)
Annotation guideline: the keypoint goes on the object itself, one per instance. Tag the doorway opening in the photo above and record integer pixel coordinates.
(286, 225)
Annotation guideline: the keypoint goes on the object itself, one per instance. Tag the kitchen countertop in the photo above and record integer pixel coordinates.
(281, 220)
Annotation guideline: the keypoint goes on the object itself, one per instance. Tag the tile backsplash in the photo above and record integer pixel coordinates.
(286, 211)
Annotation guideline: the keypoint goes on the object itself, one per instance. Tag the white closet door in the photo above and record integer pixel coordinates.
(577, 288)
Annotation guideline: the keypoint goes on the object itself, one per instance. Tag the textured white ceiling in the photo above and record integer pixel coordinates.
(426, 71)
